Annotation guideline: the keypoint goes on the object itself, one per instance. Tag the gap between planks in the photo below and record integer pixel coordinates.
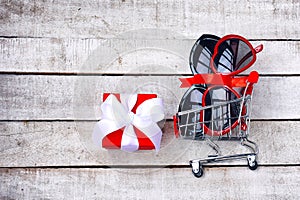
(22, 73)
(91, 38)
(147, 166)
(95, 120)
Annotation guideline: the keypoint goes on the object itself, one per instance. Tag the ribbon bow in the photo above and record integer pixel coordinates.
(117, 115)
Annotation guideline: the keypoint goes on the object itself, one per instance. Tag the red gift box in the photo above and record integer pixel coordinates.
(113, 140)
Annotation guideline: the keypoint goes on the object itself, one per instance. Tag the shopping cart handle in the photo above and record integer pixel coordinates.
(253, 77)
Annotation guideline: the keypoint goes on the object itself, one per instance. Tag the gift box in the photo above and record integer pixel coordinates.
(129, 122)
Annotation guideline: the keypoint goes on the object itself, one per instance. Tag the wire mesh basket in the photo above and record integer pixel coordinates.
(219, 113)
(226, 120)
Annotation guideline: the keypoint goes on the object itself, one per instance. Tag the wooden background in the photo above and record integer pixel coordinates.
(57, 57)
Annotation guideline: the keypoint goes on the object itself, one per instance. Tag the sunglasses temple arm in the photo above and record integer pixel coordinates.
(259, 48)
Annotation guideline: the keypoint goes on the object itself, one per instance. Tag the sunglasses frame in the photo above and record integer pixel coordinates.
(202, 39)
(209, 131)
(230, 37)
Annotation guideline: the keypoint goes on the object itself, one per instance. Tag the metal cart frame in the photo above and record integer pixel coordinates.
(239, 128)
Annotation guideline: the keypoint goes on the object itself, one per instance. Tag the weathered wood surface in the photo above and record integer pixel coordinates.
(95, 19)
(70, 144)
(175, 183)
(40, 97)
(44, 44)
(119, 56)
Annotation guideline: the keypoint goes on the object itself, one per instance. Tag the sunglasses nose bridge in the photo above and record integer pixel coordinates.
(259, 48)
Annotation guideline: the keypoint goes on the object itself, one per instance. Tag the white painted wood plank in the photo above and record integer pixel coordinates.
(26, 144)
(218, 183)
(97, 19)
(79, 97)
(159, 55)
(125, 55)
(41, 143)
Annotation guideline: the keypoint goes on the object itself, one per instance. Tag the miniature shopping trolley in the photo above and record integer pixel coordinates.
(217, 106)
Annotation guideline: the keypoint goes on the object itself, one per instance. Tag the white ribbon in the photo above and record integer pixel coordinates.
(116, 115)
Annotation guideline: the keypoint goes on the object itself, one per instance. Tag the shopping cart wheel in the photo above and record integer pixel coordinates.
(252, 163)
(197, 169)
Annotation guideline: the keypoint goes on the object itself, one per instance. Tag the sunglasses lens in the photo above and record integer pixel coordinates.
(188, 122)
(233, 55)
(201, 54)
(224, 116)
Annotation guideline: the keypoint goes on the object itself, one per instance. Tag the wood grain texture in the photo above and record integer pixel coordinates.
(36, 97)
(94, 19)
(27, 144)
(158, 55)
(218, 183)
(44, 154)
